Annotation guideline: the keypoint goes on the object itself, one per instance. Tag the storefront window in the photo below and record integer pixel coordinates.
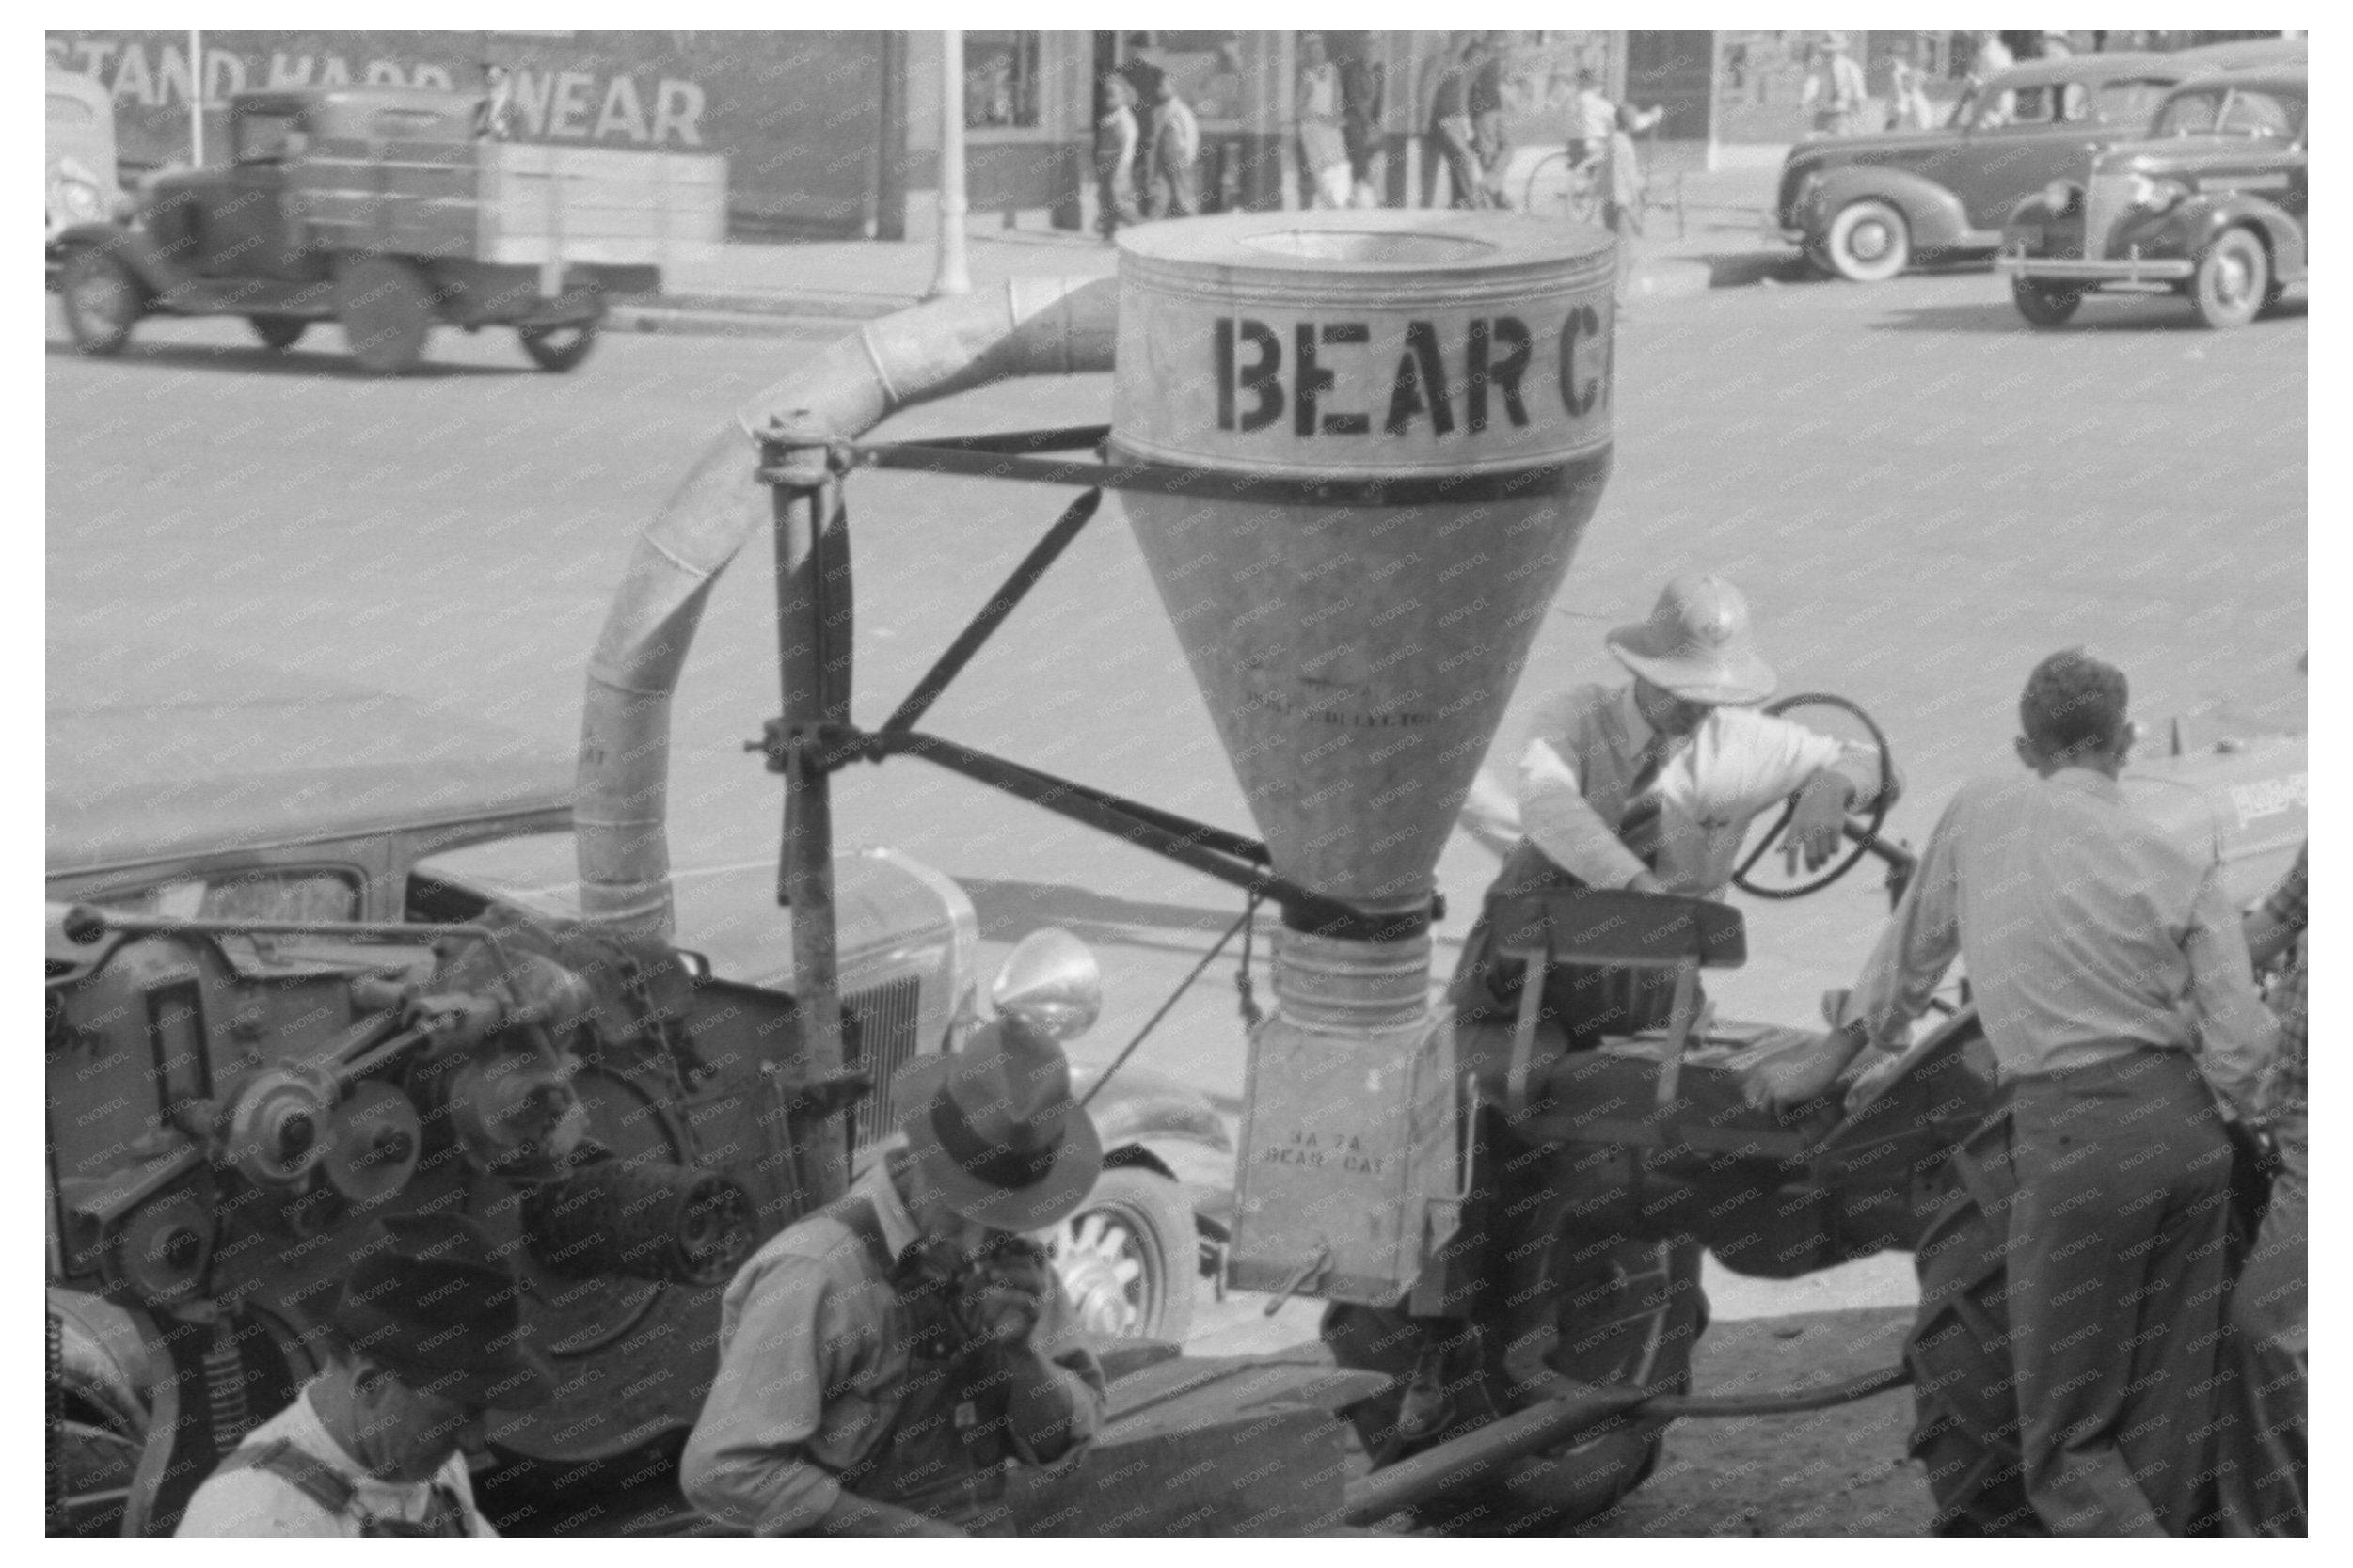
(1001, 80)
(1204, 68)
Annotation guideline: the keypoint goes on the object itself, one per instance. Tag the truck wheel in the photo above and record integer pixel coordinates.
(558, 348)
(1129, 1257)
(1869, 242)
(386, 313)
(2233, 277)
(278, 332)
(1964, 1392)
(101, 301)
(2044, 304)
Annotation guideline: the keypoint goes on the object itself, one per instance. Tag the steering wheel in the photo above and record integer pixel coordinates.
(1862, 829)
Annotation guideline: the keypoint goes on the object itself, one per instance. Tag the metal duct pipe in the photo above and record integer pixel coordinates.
(1039, 326)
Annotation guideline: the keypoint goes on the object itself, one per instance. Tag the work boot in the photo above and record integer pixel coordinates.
(1428, 1406)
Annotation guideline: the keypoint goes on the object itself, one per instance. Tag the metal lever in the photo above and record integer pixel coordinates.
(1314, 1266)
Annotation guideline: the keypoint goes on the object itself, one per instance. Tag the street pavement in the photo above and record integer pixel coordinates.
(1920, 497)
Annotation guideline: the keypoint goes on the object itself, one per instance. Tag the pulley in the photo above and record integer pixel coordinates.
(643, 1219)
(514, 1109)
(375, 1143)
(281, 1124)
(161, 1250)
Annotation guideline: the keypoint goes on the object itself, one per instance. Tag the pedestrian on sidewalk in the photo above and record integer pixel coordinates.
(1907, 90)
(1116, 136)
(1485, 102)
(1622, 189)
(1453, 137)
(1834, 89)
(2111, 979)
(1324, 175)
(1170, 139)
(1362, 90)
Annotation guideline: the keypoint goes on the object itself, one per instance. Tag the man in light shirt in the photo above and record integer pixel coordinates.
(2113, 979)
(1651, 785)
(432, 1336)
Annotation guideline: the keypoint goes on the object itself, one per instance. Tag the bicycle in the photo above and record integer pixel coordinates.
(1561, 188)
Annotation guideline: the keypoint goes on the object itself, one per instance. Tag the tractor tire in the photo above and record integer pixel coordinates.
(1869, 242)
(101, 301)
(2044, 304)
(1129, 1257)
(558, 348)
(2233, 279)
(1964, 1392)
(278, 333)
(386, 311)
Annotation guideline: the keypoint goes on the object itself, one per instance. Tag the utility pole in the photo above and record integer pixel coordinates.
(196, 98)
(952, 277)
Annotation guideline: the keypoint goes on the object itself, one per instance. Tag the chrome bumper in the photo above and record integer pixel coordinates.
(2133, 269)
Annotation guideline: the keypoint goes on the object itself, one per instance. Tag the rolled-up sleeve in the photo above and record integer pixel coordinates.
(1919, 943)
(2236, 1035)
(1554, 815)
(745, 1464)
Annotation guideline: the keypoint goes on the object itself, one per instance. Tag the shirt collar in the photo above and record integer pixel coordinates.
(890, 1210)
(2089, 780)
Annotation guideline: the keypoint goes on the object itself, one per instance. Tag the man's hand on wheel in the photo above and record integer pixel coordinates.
(1820, 820)
(1791, 1078)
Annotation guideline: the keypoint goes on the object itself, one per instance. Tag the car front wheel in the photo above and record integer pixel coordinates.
(101, 301)
(1869, 242)
(2232, 278)
(1128, 1259)
(2044, 304)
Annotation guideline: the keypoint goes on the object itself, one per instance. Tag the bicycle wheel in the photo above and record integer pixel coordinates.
(1555, 191)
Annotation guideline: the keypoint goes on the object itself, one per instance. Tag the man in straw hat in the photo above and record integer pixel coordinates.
(1649, 786)
(883, 1358)
(432, 1337)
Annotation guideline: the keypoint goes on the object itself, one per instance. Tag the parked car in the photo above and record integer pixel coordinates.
(369, 206)
(2212, 205)
(1865, 208)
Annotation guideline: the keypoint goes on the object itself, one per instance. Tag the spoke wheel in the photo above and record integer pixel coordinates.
(2044, 304)
(1861, 832)
(1869, 242)
(101, 301)
(558, 348)
(1128, 1257)
(2234, 277)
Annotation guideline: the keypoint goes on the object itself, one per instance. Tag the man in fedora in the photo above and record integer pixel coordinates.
(432, 1336)
(881, 1360)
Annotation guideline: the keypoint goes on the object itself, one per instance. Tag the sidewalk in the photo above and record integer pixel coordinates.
(1716, 239)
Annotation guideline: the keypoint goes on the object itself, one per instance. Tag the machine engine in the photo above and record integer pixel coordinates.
(231, 1109)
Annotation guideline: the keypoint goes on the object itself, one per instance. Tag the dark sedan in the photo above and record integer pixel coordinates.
(2213, 205)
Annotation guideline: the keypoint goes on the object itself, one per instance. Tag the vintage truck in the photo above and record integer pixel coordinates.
(387, 209)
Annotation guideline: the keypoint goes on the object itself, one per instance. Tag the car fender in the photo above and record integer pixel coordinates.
(1934, 213)
(2281, 233)
(130, 246)
(1140, 1107)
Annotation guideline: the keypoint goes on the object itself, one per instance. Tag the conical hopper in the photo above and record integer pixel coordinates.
(1403, 418)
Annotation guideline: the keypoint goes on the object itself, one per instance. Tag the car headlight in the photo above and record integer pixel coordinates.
(2153, 196)
(2059, 197)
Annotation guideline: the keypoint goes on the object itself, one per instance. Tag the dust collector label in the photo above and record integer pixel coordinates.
(1343, 1152)
(1412, 381)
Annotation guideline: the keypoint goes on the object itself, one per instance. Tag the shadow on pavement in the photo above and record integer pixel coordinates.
(2124, 314)
(318, 364)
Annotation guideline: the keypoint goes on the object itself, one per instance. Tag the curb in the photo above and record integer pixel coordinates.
(801, 315)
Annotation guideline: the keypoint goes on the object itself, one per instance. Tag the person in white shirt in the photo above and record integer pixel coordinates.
(1834, 89)
(432, 1337)
(1322, 146)
(1651, 785)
